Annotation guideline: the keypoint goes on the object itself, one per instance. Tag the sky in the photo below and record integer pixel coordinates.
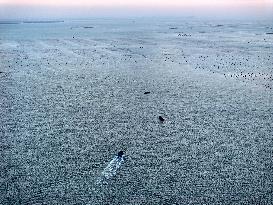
(89, 8)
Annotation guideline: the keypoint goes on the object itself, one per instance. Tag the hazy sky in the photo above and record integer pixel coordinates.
(85, 8)
(138, 2)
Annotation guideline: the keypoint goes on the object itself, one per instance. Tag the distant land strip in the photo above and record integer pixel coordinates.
(9, 22)
(43, 21)
(19, 22)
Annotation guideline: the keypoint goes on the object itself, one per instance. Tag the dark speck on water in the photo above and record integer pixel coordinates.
(120, 153)
(161, 119)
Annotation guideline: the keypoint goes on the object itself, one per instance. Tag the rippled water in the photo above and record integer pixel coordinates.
(72, 94)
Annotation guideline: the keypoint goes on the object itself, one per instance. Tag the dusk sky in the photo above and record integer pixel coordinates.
(85, 8)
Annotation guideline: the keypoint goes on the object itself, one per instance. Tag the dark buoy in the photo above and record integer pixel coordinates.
(120, 153)
(161, 119)
(147, 93)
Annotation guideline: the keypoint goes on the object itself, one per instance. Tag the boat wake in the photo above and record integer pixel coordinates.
(110, 170)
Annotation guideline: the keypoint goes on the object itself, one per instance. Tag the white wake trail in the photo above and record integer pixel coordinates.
(110, 170)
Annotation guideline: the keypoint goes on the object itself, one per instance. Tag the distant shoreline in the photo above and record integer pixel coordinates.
(20, 22)
(43, 21)
(10, 22)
